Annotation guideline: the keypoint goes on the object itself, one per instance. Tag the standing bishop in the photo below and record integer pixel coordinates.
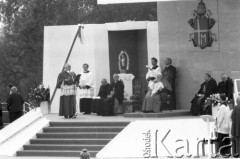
(66, 82)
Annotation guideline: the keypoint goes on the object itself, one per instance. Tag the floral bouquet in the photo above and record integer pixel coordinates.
(213, 99)
(39, 94)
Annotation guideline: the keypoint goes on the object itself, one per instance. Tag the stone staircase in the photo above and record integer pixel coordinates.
(67, 139)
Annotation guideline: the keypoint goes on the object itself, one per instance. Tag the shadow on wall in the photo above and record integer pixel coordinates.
(186, 84)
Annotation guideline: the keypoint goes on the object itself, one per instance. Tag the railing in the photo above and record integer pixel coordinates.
(26, 107)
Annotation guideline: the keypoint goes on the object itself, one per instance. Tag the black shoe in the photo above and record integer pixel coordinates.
(86, 113)
(75, 116)
(65, 116)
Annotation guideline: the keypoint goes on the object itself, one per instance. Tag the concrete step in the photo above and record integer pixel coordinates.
(82, 129)
(53, 153)
(97, 141)
(67, 139)
(77, 135)
(63, 147)
(87, 124)
(165, 113)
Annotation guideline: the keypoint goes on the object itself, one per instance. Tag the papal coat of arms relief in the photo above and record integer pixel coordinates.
(202, 24)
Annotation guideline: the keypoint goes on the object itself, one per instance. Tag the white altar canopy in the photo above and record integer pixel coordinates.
(94, 50)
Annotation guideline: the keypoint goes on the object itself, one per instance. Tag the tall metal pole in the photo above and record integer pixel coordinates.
(69, 53)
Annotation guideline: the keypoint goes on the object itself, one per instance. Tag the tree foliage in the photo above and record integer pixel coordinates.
(21, 44)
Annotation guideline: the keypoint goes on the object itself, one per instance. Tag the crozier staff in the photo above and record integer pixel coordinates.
(66, 82)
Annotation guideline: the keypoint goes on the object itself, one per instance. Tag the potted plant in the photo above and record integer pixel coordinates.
(40, 97)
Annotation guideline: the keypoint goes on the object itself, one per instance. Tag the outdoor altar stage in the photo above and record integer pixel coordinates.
(99, 45)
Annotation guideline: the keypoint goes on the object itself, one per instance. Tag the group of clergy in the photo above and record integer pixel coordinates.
(82, 85)
(158, 83)
(209, 87)
(111, 97)
(227, 116)
(71, 85)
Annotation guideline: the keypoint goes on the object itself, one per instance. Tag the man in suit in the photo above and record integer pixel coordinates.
(169, 73)
(15, 104)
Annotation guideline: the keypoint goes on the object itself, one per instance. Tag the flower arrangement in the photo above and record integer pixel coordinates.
(213, 99)
(39, 94)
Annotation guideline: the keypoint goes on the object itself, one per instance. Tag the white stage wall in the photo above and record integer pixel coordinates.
(94, 50)
(159, 138)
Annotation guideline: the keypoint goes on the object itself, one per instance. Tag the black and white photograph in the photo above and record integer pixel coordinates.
(119, 79)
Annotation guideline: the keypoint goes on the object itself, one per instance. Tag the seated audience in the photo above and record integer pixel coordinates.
(115, 96)
(15, 104)
(207, 88)
(103, 93)
(235, 131)
(152, 101)
(225, 86)
(223, 124)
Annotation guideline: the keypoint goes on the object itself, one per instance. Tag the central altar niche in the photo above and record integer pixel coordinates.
(128, 57)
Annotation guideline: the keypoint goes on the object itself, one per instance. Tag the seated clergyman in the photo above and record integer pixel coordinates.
(207, 88)
(225, 86)
(104, 89)
(152, 100)
(115, 96)
(103, 93)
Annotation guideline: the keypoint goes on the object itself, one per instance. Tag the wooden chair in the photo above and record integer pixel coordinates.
(165, 97)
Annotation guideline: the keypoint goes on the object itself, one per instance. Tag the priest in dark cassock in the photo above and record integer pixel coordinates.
(169, 73)
(115, 96)
(66, 82)
(225, 86)
(103, 93)
(236, 126)
(86, 91)
(208, 87)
